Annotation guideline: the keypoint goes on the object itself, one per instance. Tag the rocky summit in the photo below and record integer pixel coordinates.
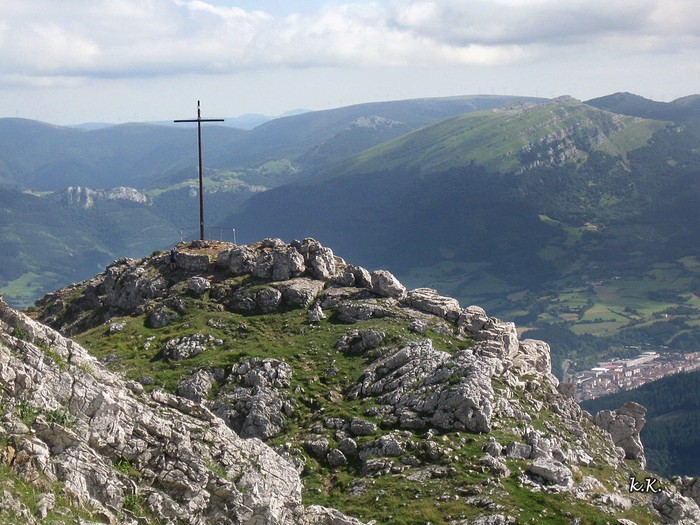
(275, 383)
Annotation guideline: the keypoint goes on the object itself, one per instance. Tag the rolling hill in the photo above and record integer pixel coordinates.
(559, 214)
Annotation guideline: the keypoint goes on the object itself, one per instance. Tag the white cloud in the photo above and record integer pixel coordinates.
(133, 38)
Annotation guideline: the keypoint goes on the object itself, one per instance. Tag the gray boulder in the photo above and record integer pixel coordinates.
(198, 285)
(300, 291)
(191, 262)
(427, 300)
(386, 285)
(253, 401)
(551, 471)
(472, 319)
(336, 458)
(361, 310)
(516, 450)
(318, 448)
(494, 465)
(127, 286)
(356, 342)
(363, 279)
(534, 357)
(624, 426)
(362, 427)
(265, 299)
(160, 318)
(188, 346)
(287, 262)
(319, 260)
(315, 314)
(383, 447)
(197, 387)
(239, 259)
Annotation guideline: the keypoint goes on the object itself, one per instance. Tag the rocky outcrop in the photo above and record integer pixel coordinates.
(91, 429)
(677, 509)
(128, 285)
(80, 196)
(423, 387)
(428, 300)
(624, 426)
(252, 400)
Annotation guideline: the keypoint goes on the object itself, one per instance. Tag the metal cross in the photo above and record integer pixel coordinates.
(199, 121)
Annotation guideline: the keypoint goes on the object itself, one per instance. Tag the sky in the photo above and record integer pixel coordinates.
(74, 61)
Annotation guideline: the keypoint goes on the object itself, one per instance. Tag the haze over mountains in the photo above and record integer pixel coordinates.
(576, 219)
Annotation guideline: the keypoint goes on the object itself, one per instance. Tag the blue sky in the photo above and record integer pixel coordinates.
(72, 61)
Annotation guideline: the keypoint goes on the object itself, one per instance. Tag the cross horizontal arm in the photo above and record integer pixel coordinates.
(202, 120)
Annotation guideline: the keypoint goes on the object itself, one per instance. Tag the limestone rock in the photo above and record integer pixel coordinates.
(690, 487)
(624, 426)
(385, 446)
(356, 342)
(348, 447)
(319, 260)
(197, 387)
(161, 318)
(472, 319)
(299, 292)
(198, 285)
(677, 509)
(265, 299)
(355, 276)
(318, 448)
(188, 346)
(494, 465)
(317, 515)
(316, 314)
(239, 259)
(428, 300)
(336, 458)
(353, 311)
(362, 427)
(516, 450)
(424, 387)
(551, 471)
(534, 357)
(127, 285)
(418, 326)
(386, 285)
(191, 262)
(252, 401)
(171, 441)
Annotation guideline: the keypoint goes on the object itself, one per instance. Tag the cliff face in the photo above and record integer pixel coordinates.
(255, 377)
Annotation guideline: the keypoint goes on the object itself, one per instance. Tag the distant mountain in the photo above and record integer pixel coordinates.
(636, 106)
(448, 184)
(48, 239)
(41, 156)
(160, 162)
(559, 214)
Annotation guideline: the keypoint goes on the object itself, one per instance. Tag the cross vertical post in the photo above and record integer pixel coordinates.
(199, 121)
